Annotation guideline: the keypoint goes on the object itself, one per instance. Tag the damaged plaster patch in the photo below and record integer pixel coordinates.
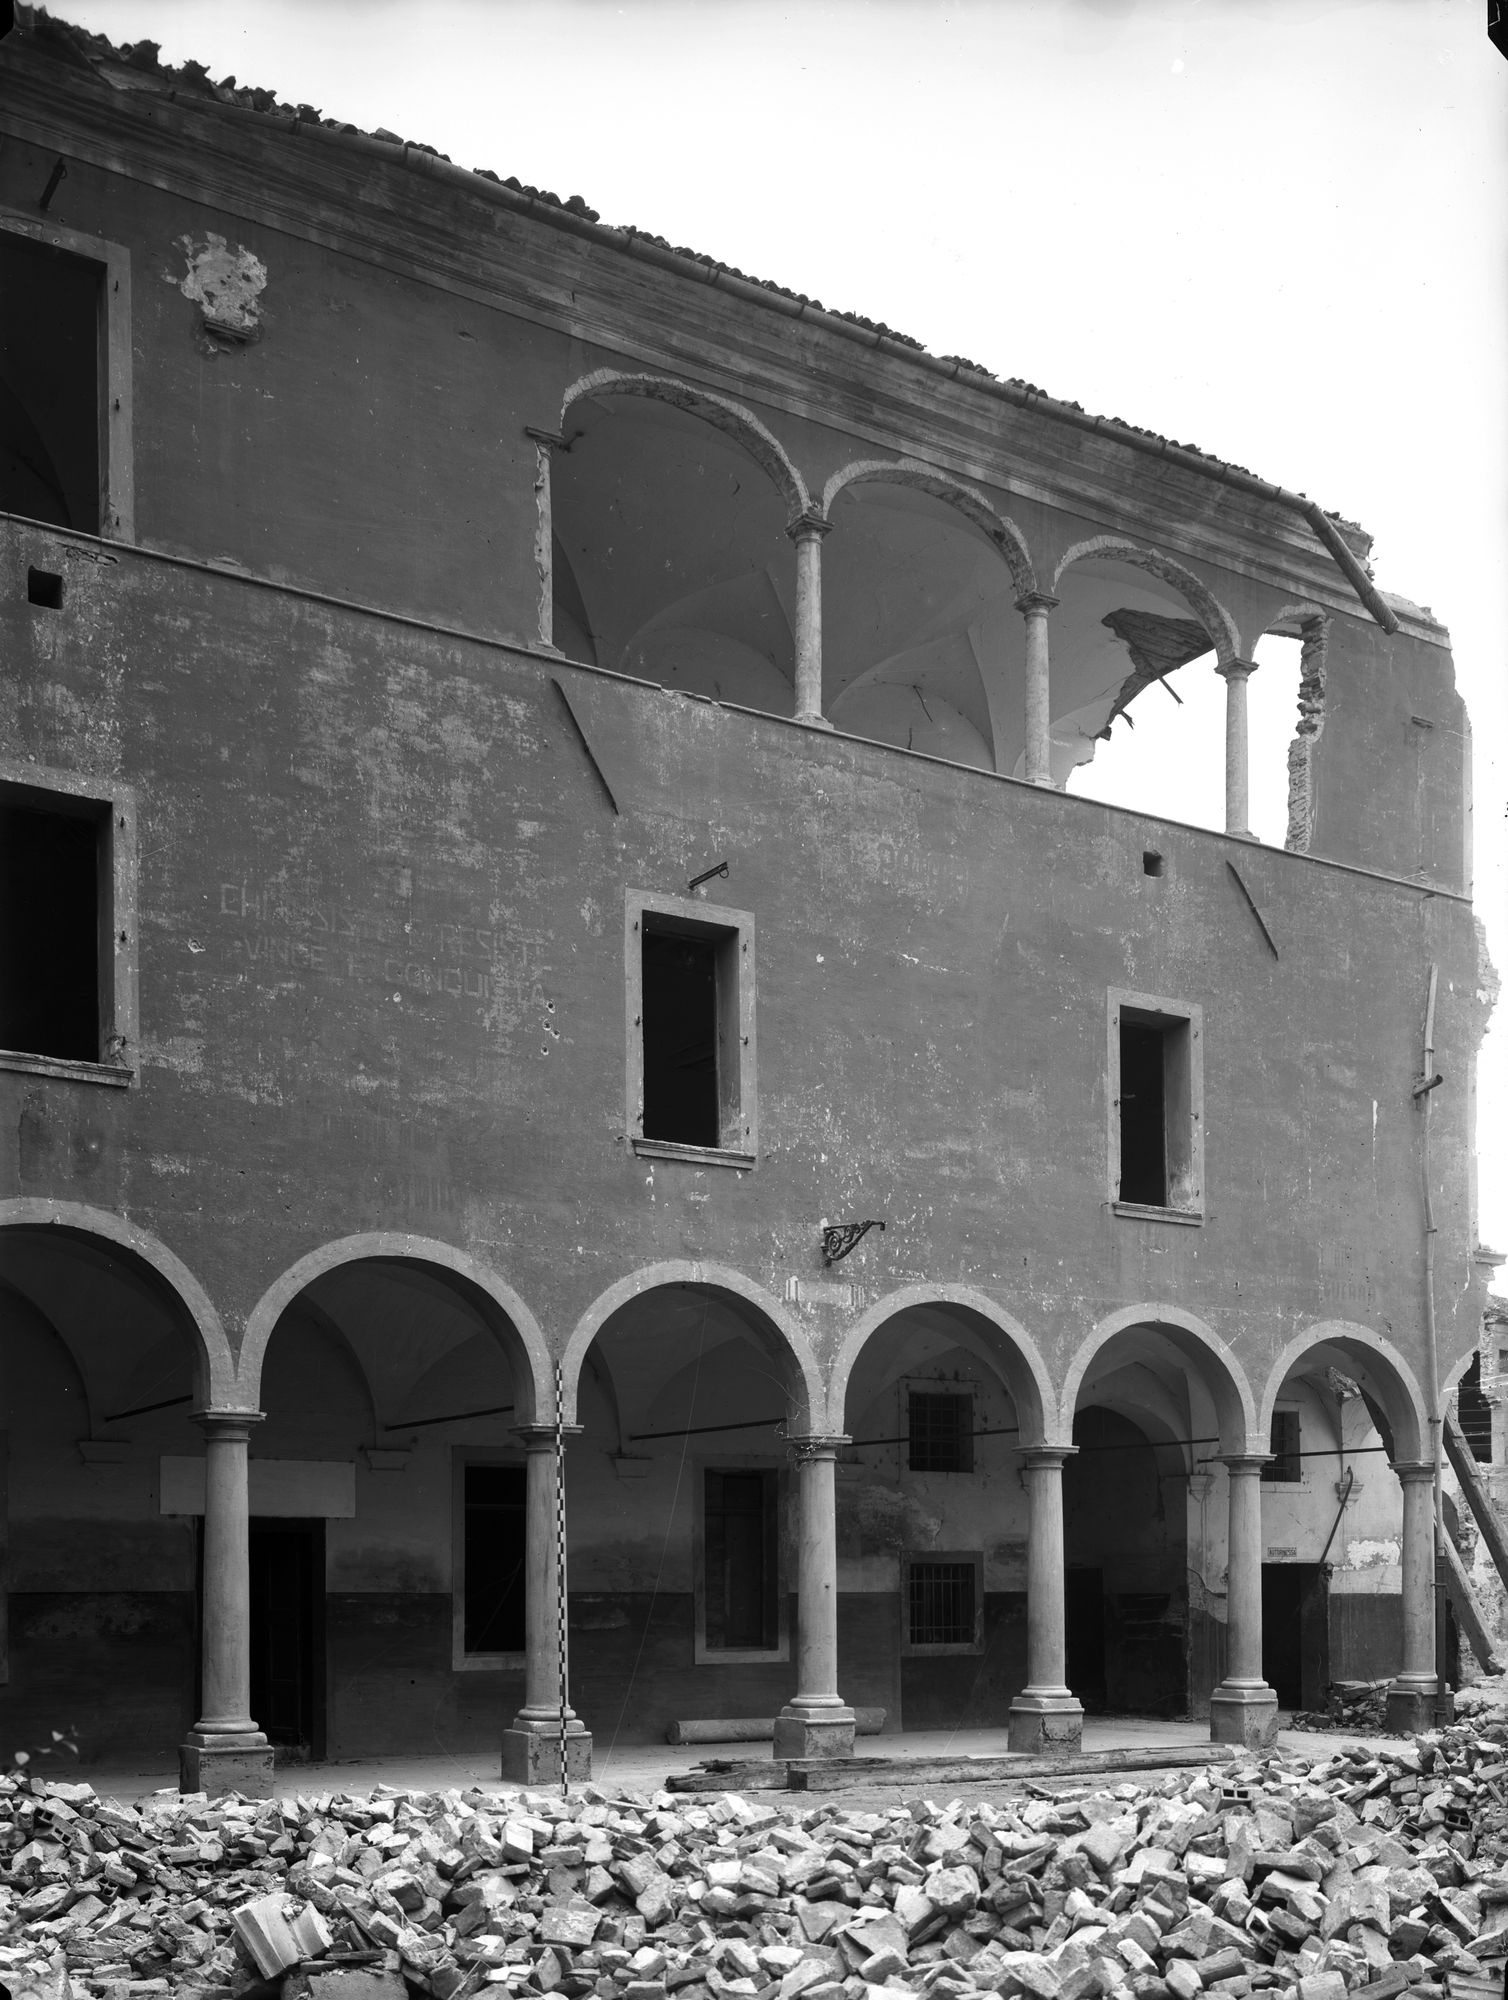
(1373, 1555)
(225, 284)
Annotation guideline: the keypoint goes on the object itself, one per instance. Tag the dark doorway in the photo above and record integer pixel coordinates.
(51, 866)
(1084, 1619)
(1296, 1632)
(287, 1633)
(496, 1504)
(740, 1527)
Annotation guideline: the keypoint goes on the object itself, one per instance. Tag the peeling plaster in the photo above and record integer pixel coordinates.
(225, 284)
(1373, 1555)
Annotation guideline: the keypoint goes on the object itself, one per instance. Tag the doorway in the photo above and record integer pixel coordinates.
(287, 1564)
(1084, 1623)
(1296, 1632)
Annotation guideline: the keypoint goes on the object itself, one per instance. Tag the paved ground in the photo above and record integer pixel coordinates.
(645, 1766)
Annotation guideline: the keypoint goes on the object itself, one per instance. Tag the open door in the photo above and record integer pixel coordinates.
(287, 1560)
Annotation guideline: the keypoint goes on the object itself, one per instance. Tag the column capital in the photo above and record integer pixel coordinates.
(1046, 1457)
(541, 1437)
(231, 1425)
(1244, 1463)
(1414, 1471)
(1040, 601)
(1237, 670)
(807, 526)
(814, 1446)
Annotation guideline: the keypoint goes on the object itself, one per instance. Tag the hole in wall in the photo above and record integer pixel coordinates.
(1272, 715)
(1151, 864)
(44, 587)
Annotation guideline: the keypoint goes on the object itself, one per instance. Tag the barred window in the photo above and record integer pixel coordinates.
(942, 1602)
(941, 1432)
(1285, 1465)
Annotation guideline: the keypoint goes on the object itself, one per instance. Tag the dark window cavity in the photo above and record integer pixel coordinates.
(941, 1432)
(494, 1559)
(1151, 864)
(941, 1604)
(680, 1038)
(1285, 1467)
(740, 1526)
(1156, 1168)
(50, 319)
(44, 587)
(54, 871)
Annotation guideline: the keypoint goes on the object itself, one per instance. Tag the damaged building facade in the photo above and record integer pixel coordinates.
(534, 806)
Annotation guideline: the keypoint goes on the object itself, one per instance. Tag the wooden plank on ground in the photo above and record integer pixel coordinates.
(839, 1773)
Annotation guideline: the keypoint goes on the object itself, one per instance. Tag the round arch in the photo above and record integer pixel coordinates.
(1199, 1345)
(1021, 1365)
(966, 500)
(536, 1381)
(1389, 1375)
(1200, 599)
(214, 1363)
(732, 419)
(806, 1383)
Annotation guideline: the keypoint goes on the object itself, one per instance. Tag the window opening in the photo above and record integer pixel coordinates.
(941, 1432)
(1272, 719)
(680, 999)
(493, 1558)
(1144, 1146)
(1285, 1466)
(1151, 864)
(49, 384)
(941, 1608)
(44, 587)
(1157, 1149)
(52, 867)
(1474, 1413)
(740, 1523)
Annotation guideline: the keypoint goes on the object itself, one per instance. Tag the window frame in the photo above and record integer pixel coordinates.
(117, 483)
(960, 1391)
(945, 1649)
(737, 1095)
(36, 787)
(1183, 1101)
(704, 1655)
(461, 1456)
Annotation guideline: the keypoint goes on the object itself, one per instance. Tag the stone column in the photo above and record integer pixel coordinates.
(1045, 1716)
(816, 1721)
(1034, 606)
(1244, 1709)
(1412, 1696)
(1235, 674)
(807, 533)
(225, 1751)
(531, 1746)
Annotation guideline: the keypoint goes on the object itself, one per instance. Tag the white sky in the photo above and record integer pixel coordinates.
(1272, 228)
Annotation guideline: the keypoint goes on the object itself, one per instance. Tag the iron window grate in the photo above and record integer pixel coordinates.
(941, 1431)
(940, 1603)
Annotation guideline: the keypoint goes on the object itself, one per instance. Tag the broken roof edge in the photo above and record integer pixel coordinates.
(1348, 544)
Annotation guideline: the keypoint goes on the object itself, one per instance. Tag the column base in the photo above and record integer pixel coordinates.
(226, 1764)
(531, 1754)
(1411, 1707)
(1246, 1714)
(813, 1732)
(813, 721)
(1045, 1725)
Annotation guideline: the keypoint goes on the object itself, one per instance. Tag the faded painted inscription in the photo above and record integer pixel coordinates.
(278, 933)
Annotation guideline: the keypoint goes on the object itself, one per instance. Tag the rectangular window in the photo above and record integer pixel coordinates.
(740, 1529)
(943, 1604)
(1285, 1466)
(1156, 1107)
(67, 967)
(65, 378)
(691, 1030)
(490, 1585)
(941, 1430)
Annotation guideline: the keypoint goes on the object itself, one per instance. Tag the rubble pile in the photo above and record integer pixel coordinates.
(1382, 1872)
(1348, 1705)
